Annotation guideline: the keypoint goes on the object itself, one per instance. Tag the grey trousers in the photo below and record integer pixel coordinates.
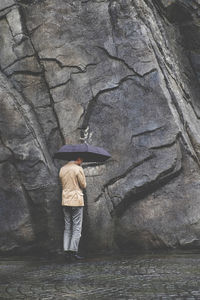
(73, 217)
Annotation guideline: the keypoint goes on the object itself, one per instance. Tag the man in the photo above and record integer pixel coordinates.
(73, 182)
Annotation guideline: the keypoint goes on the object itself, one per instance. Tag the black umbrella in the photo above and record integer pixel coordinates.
(89, 153)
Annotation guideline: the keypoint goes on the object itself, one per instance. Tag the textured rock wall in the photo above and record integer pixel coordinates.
(124, 74)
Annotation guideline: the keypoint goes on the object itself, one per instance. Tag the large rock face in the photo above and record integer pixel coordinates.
(124, 74)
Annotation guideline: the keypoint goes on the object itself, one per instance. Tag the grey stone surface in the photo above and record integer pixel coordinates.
(119, 277)
(6, 3)
(127, 74)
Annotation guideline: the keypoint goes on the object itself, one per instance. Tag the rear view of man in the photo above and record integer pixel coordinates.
(73, 182)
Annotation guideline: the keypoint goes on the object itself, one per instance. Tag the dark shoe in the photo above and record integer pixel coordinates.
(67, 255)
(78, 257)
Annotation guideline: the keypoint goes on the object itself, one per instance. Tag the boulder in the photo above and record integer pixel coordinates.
(124, 74)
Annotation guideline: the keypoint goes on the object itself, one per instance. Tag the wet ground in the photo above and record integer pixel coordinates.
(172, 276)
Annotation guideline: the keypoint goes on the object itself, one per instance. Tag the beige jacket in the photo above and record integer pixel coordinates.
(73, 181)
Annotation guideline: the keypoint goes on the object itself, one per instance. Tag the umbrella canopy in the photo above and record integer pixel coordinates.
(88, 152)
